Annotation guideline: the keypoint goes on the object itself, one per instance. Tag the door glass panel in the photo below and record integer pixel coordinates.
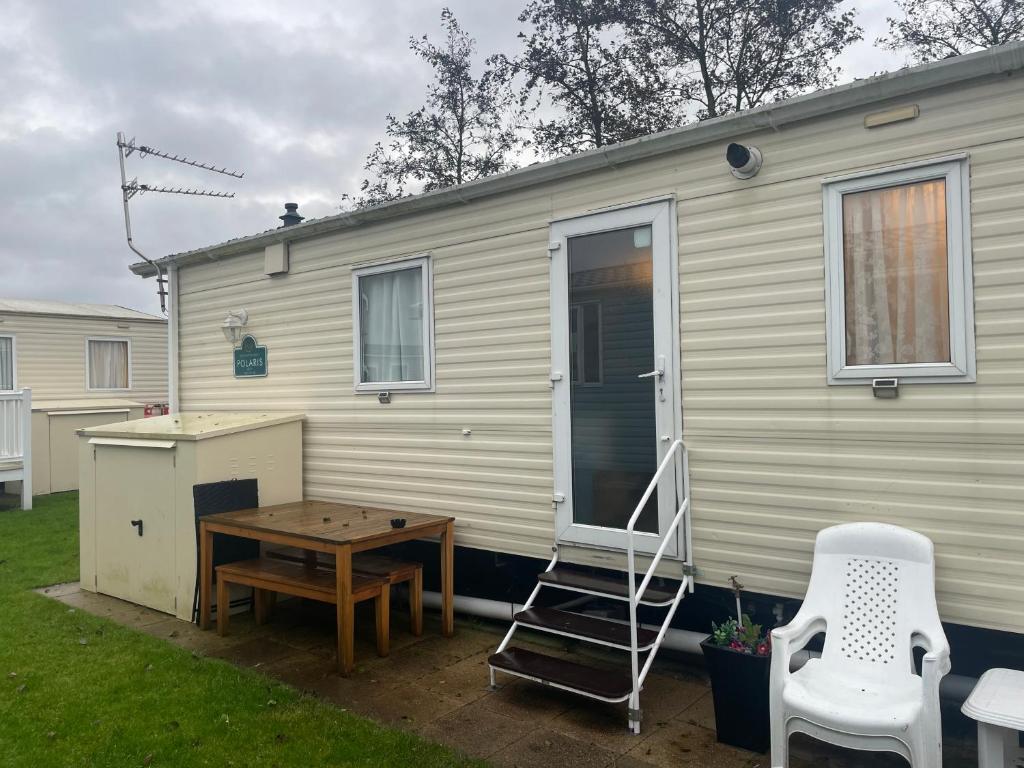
(613, 419)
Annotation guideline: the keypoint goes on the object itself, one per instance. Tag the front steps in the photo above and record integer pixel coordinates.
(603, 684)
(640, 644)
(582, 627)
(608, 685)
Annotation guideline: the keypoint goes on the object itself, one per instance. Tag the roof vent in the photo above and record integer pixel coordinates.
(291, 215)
(744, 162)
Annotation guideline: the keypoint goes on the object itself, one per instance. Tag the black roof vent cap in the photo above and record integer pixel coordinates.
(291, 215)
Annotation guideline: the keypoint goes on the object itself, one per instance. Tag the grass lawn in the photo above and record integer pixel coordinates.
(77, 690)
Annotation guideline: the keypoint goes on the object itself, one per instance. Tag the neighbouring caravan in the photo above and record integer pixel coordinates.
(824, 298)
(86, 364)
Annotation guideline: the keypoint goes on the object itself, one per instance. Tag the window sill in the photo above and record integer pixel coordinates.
(909, 374)
(375, 389)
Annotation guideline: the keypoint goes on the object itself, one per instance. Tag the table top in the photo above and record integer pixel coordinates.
(332, 523)
(998, 699)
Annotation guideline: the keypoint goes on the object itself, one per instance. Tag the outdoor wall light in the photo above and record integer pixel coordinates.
(234, 325)
(744, 162)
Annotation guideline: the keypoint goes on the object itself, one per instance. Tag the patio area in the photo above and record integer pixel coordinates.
(437, 688)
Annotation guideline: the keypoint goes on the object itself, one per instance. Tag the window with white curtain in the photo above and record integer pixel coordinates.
(898, 274)
(393, 324)
(108, 364)
(7, 381)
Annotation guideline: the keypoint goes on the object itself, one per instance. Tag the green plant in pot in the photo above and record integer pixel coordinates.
(738, 658)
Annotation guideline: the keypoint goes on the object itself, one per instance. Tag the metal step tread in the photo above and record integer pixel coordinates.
(589, 627)
(609, 586)
(602, 683)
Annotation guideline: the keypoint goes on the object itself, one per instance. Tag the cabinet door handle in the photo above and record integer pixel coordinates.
(137, 524)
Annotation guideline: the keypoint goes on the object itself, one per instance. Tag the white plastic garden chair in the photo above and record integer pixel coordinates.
(872, 593)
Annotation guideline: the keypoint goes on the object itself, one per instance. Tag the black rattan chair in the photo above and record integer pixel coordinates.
(224, 496)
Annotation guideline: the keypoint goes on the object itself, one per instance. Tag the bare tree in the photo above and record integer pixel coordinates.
(464, 131)
(938, 29)
(603, 87)
(730, 55)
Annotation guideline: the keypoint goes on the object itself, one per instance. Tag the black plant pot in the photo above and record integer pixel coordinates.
(739, 685)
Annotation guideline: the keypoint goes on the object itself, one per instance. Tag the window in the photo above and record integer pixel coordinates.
(585, 345)
(393, 326)
(108, 364)
(7, 379)
(898, 274)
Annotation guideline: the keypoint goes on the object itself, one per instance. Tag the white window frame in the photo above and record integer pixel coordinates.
(14, 361)
(125, 339)
(578, 308)
(423, 261)
(962, 367)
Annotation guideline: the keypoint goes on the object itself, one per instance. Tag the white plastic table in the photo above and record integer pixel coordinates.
(997, 703)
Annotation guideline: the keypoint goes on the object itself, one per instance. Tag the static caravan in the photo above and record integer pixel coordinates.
(85, 364)
(823, 299)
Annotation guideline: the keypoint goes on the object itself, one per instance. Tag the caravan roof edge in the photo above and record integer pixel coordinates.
(1000, 60)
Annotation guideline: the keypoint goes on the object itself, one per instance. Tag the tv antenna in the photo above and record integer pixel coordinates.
(129, 189)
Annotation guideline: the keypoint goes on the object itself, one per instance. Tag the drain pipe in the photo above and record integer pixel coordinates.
(675, 639)
(953, 690)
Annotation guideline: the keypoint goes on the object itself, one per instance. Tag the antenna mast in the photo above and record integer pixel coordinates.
(130, 189)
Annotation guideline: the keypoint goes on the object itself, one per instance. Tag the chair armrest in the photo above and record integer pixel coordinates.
(791, 638)
(932, 639)
(935, 664)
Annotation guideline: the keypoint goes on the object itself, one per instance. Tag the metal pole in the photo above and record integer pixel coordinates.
(161, 281)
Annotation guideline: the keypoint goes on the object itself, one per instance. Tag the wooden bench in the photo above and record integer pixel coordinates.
(267, 575)
(366, 564)
(396, 571)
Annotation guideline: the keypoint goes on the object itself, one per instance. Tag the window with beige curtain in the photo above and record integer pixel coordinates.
(108, 364)
(899, 283)
(895, 274)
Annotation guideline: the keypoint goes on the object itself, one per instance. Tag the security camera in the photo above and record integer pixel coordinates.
(744, 162)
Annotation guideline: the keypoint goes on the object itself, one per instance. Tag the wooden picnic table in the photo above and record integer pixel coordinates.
(338, 529)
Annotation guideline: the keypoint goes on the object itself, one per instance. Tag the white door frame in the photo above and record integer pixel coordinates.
(661, 216)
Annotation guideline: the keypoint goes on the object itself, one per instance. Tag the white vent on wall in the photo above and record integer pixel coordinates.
(275, 259)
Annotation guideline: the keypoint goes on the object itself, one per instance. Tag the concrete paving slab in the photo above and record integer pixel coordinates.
(465, 680)
(681, 744)
(477, 731)
(61, 590)
(438, 687)
(525, 700)
(544, 749)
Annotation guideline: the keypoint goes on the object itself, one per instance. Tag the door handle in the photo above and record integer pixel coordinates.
(137, 524)
(659, 371)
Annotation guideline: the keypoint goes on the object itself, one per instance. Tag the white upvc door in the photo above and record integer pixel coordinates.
(614, 373)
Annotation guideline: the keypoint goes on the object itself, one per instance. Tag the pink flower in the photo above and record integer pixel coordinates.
(763, 649)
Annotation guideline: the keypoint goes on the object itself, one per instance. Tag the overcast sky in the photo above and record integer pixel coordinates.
(293, 94)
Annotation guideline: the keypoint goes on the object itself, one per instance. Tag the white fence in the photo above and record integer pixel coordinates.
(16, 441)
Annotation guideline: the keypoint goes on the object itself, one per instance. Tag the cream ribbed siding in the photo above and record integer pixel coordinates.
(776, 454)
(51, 355)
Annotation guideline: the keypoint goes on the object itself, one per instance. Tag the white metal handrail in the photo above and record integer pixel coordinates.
(676, 452)
(13, 423)
(16, 440)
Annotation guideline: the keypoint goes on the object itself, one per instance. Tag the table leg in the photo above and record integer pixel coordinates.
(996, 746)
(346, 615)
(448, 580)
(205, 574)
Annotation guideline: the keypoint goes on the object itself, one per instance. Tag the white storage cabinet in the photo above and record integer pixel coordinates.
(136, 518)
